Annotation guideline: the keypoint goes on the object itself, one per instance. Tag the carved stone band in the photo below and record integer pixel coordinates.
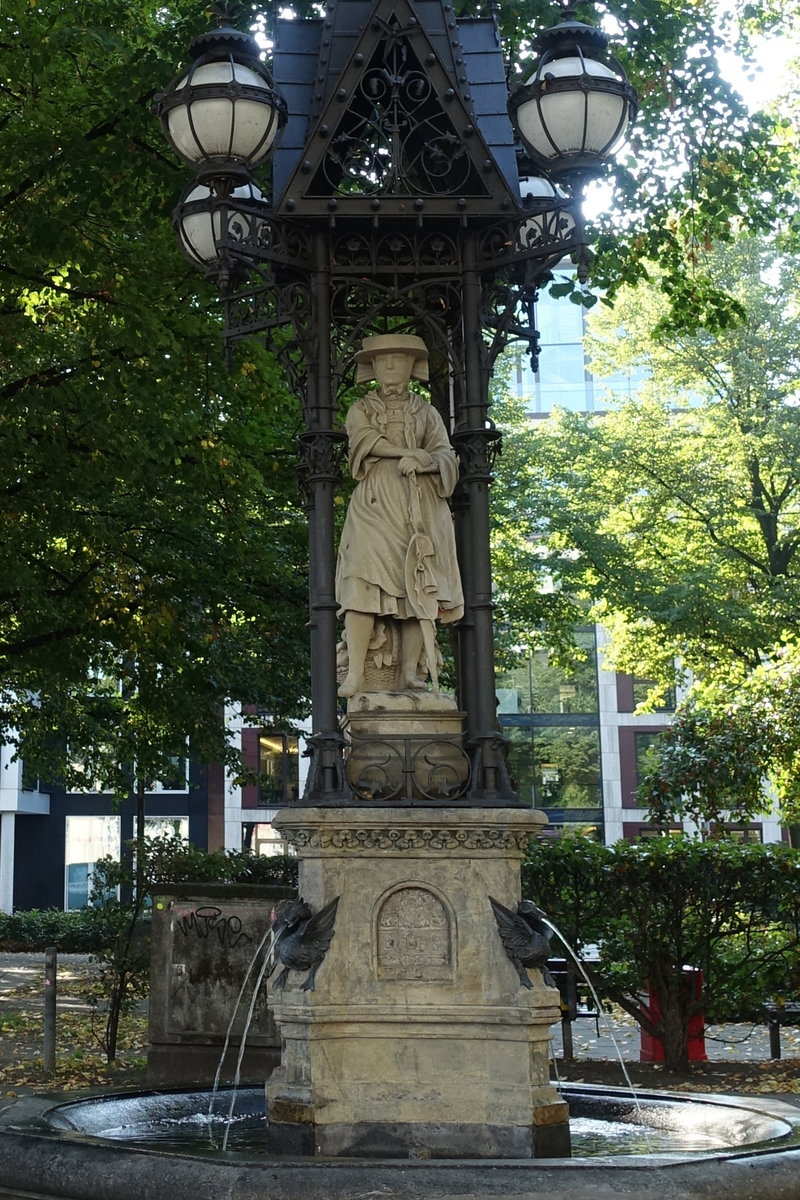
(435, 831)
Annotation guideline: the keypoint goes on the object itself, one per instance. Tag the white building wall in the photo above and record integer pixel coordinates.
(611, 720)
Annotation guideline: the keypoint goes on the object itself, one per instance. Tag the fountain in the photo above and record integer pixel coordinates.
(412, 1011)
(167, 1143)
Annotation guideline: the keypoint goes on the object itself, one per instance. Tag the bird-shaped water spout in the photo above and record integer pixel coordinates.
(526, 938)
(302, 939)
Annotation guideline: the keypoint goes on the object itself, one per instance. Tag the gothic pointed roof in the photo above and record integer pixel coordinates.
(394, 105)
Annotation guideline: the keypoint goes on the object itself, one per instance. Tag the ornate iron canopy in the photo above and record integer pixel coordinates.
(399, 200)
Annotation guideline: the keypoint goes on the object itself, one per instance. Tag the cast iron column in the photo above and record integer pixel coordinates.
(321, 443)
(476, 440)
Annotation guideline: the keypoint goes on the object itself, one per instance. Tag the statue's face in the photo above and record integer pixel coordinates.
(393, 368)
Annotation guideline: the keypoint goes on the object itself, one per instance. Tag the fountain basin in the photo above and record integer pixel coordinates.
(603, 1121)
(57, 1155)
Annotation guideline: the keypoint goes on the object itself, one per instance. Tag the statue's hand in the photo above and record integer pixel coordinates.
(415, 460)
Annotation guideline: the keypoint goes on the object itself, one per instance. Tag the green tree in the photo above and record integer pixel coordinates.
(529, 615)
(676, 514)
(149, 518)
(730, 910)
(150, 528)
(713, 763)
(697, 156)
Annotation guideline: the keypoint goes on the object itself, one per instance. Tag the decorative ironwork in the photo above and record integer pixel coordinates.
(395, 137)
(549, 234)
(397, 769)
(267, 307)
(477, 450)
(491, 779)
(401, 249)
(258, 237)
(320, 459)
(326, 783)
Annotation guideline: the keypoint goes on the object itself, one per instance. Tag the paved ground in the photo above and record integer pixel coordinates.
(23, 975)
(619, 1036)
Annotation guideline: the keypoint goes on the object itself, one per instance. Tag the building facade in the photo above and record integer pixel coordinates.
(50, 839)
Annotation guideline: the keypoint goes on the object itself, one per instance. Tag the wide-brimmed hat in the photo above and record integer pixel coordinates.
(382, 343)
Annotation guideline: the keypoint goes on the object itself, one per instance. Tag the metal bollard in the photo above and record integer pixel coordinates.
(50, 992)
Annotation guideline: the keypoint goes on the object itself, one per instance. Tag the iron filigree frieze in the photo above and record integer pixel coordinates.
(548, 234)
(268, 307)
(267, 239)
(397, 139)
(401, 249)
(407, 770)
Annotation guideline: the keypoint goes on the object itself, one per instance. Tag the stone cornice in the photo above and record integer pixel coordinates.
(431, 830)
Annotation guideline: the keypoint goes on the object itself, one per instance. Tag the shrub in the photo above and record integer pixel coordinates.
(728, 909)
(36, 929)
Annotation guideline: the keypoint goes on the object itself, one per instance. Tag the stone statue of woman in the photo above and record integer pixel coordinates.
(397, 555)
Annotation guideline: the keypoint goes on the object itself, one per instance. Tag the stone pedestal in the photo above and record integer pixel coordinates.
(419, 1039)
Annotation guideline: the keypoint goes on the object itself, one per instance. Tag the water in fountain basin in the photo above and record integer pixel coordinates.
(602, 1123)
(609, 1028)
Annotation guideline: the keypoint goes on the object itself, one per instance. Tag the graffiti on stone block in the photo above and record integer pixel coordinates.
(207, 920)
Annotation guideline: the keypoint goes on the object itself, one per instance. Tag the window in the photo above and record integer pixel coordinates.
(643, 687)
(593, 830)
(541, 685)
(751, 834)
(646, 743)
(260, 838)
(567, 767)
(648, 832)
(87, 839)
(175, 777)
(278, 770)
(556, 767)
(30, 783)
(173, 827)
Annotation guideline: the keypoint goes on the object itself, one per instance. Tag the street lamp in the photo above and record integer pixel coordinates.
(400, 199)
(573, 112)
(203, 219)
(223, 114)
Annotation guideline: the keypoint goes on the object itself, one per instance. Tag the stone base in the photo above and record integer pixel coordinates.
(371, 1139)
(419, 1040)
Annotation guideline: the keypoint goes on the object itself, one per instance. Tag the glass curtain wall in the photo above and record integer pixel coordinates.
(549, 714)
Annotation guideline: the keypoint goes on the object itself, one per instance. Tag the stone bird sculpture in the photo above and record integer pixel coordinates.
(302, 939)
(525, 938)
